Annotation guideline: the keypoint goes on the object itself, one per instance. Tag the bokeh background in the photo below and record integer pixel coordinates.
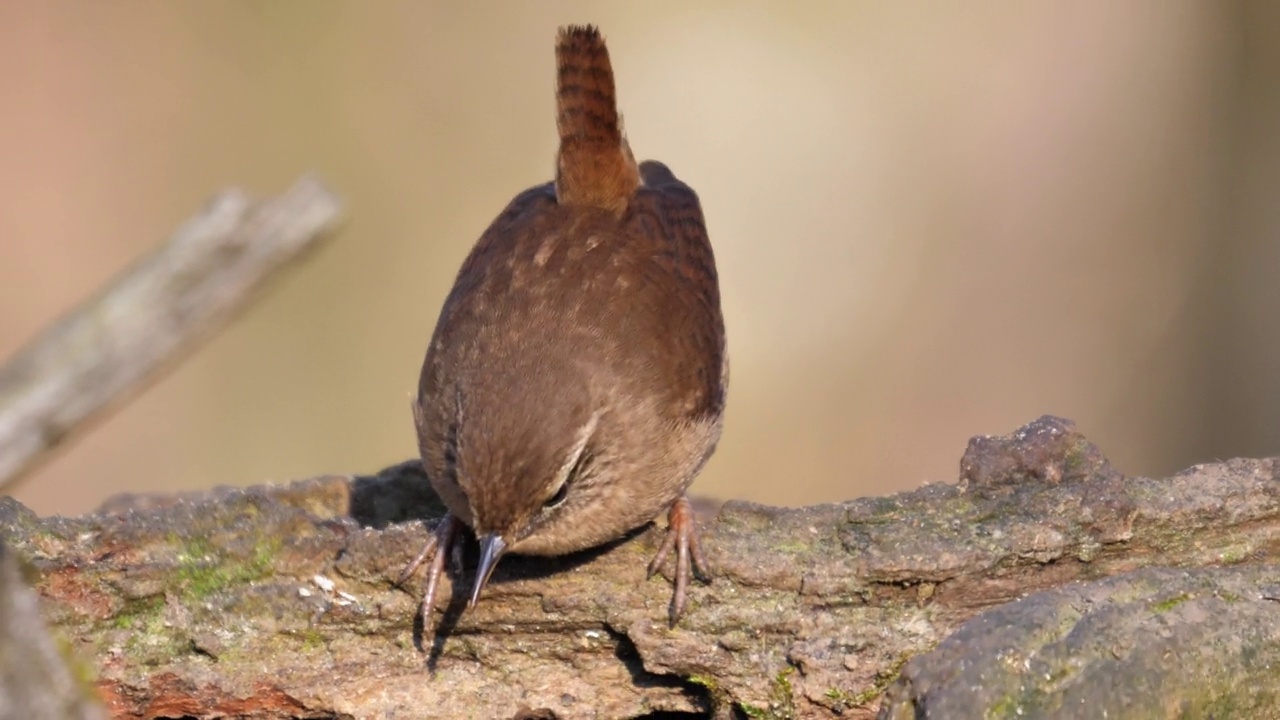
(932, 220)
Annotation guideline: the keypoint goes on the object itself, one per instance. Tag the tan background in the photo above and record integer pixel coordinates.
(930, 223)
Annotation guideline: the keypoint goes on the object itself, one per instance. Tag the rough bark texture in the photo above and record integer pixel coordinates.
(278, 602)
(1157, 642)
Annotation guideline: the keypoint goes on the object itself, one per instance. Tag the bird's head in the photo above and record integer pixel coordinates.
(519, 466)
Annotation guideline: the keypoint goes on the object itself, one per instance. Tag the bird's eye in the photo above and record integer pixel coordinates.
(558, 498)
(570, 474)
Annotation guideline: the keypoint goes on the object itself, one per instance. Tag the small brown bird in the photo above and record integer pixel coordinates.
(575, 384)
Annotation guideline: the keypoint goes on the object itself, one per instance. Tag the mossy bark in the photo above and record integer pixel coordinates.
(276, 602)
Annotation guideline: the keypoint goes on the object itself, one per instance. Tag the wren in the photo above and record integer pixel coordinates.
(575, 383)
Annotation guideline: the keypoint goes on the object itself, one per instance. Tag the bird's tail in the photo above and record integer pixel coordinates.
(595, 166)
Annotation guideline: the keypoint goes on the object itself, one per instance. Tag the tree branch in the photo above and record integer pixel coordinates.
(36, 681)
(164, 305)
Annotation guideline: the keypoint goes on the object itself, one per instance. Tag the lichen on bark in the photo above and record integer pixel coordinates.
(279, 601)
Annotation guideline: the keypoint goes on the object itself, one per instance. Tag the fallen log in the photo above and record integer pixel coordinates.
(279, 602)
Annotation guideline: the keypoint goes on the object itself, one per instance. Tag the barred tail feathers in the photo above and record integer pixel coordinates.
(595, 166)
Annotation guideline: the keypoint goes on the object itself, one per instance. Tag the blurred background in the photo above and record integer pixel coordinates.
(932, 221)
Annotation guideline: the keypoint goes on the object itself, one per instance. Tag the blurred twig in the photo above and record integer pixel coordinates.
(36, 681)
(165, 304)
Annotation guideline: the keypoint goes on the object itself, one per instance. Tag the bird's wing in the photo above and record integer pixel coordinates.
(683, 289)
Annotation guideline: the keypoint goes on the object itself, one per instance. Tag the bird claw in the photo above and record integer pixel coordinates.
(437, 548)
(682, 536)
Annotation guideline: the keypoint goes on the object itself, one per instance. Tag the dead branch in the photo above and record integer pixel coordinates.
(210, 269)
(36, 681)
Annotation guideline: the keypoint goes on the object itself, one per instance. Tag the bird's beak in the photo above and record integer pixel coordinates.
(492, 546)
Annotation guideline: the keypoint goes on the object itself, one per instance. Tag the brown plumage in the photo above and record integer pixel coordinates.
(575, 383)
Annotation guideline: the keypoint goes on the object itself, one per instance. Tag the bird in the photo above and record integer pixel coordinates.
(575, 383)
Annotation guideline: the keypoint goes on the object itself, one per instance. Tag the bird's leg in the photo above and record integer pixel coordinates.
(437, 547)
(682, 535)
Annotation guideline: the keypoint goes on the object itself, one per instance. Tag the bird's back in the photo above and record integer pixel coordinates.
(634, 297)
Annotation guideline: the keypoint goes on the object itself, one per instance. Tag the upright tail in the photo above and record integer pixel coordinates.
(595, 166)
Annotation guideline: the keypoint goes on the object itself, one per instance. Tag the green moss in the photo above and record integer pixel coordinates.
(150, 643)
(1076, 458)
(783, 694)
(137, 612)
(1230, 701)
(1088, 550)
(705, 681)
(884, 678)
(1229, 597)
(1006, 706)
(793, 547)
(719, 697)
(782, 704)
(1170, 603)
(841, 700)
(1236, 554)
(310, 638)
(202, 571)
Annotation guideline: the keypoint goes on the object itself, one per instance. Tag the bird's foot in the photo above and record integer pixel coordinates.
(437, 549)
(682, 535)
